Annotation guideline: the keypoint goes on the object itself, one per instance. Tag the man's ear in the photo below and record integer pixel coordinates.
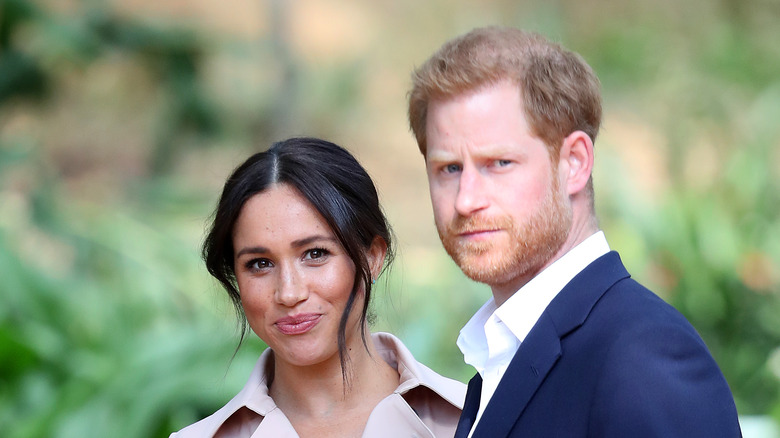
(376, 256)
(576, 161)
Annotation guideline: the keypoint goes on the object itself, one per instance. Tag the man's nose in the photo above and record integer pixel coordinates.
(472, 195)
(290, 289)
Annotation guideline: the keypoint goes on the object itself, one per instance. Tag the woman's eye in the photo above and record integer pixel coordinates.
(315, 253)
(258, 264)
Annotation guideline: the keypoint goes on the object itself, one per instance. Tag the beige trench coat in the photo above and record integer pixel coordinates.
(425, 404)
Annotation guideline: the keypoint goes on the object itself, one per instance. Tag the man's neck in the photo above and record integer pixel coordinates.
(579, 231)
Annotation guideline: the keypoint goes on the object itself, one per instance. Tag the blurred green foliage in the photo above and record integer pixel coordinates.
(711, 244)
(109, 324)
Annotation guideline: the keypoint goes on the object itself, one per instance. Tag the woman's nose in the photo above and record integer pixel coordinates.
(290, 289)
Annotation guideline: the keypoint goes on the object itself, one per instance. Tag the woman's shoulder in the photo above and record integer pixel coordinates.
(244, 411)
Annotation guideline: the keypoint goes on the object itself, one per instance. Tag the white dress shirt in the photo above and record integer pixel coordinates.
(492, 336)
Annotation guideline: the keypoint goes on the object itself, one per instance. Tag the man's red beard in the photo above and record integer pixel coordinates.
(525, 249)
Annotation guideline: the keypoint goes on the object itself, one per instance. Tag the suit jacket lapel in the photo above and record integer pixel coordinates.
(571, 307)
(534, 359)
(541, 349)
(470, 407)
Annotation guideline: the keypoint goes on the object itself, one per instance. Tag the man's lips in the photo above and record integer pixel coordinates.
(298, 324)
(477, 234)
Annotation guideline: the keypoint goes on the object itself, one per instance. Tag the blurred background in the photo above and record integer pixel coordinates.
(121, 119)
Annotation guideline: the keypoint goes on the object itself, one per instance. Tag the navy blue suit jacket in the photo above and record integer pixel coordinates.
(607, 358)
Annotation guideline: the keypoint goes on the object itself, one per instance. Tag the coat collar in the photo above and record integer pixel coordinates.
(254, 396)
(541, 350)
(412, 373)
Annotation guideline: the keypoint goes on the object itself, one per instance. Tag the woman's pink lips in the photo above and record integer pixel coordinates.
(297, 324)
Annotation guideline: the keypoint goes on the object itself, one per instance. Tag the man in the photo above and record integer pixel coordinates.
(569, 345)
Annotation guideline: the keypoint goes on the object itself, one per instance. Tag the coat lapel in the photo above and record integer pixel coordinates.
(470, 407)
(534, 359)
(540, 350)
(571, 307)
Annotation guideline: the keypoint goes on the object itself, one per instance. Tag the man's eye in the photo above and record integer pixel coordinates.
(452, 168)
(502, 163)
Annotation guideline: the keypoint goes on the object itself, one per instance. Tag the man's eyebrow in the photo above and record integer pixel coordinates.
(439, 156)
(497, 150)
(490, 151)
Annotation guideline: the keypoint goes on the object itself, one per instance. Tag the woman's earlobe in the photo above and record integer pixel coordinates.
(376, 255)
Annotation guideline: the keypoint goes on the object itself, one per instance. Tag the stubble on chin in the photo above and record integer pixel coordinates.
(517, 251)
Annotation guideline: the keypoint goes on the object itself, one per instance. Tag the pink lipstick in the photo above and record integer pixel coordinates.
(297, 324)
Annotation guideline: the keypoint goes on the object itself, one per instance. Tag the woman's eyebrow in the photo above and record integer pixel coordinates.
(311, 239)
(295, 244)
(252, 250)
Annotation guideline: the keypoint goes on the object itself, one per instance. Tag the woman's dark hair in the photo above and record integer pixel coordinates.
(338, 187)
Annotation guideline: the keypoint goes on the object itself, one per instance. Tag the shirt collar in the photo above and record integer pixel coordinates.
(254, 395)
(521, 311)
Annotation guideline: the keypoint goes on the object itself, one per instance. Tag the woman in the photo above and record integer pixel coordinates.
(298, 239)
